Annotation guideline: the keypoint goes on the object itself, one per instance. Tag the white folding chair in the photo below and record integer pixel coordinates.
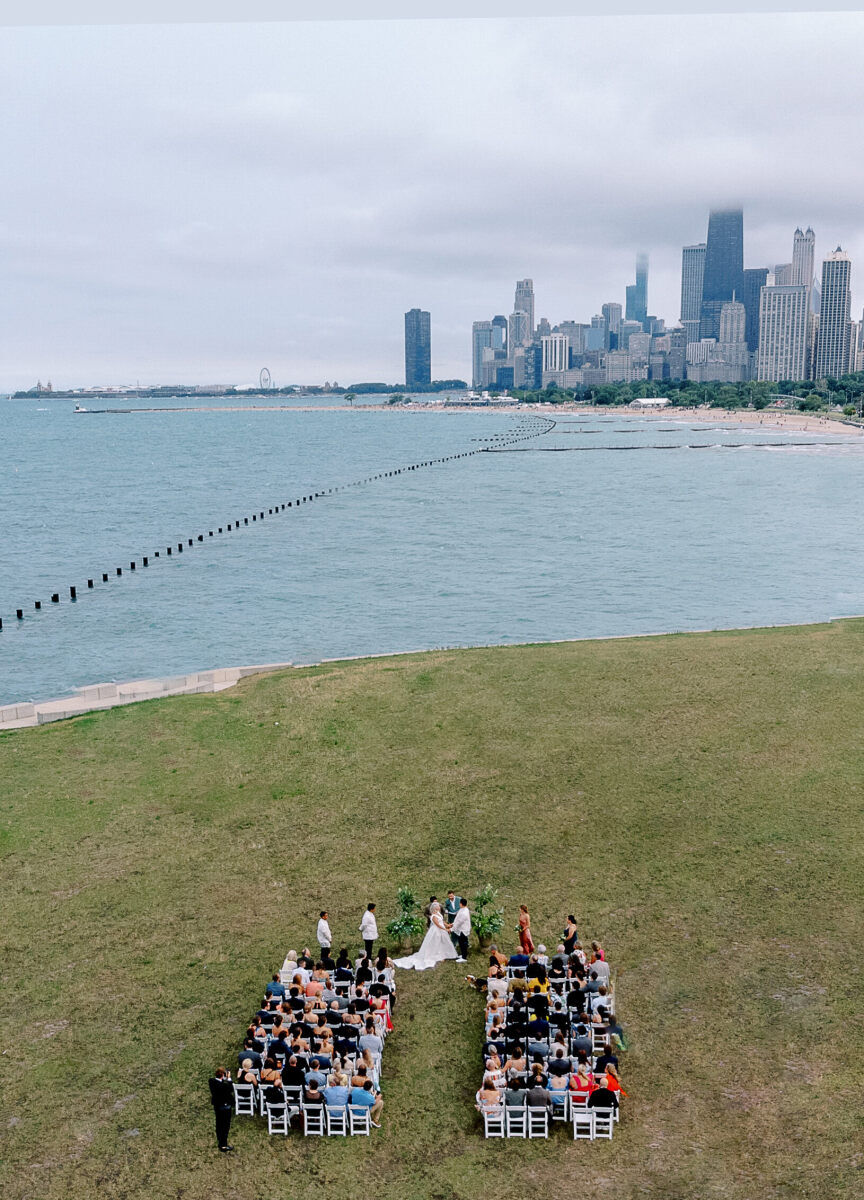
(313, 1120)
(359, 1120)
(244, 1099)
(604, 1122)
(516, 1120)
(337, 1121)
(493, 1122)
(583, 1123)
(560, 1106)
(277, 1118)
(538, 1122)
(578, 1100)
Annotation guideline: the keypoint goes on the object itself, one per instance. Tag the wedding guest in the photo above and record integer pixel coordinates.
(559, 1065)
(515, 1093)
(537, 1096)
(293, 1074)
(525, 939)
(312, 1093)
(249, 1052)
(315, 1073)
(558, 1090)
(270, 1073)
(246, 1074)
(496, 957)
(488, 1095)
(336, 1093)
(365, 1096)
(601, 1096)
(222, 1099)
(275, 987)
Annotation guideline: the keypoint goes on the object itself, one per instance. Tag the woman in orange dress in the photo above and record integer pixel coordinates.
(525, 939)
(613, 1083)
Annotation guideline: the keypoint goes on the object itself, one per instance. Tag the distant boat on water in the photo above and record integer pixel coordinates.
(79, 408)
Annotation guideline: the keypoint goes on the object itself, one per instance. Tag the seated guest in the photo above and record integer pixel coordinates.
(537, 1028)
(493, 1062)
(488, 1095)
(542, 956)
(558, 1088)
(315, 1072)
(535, 969)
(538, 1003)
(273, 1094)
(249, 1052)
(606, 1059)
(559, 1018)
(516, 1064)
(383, 962)
(537, 1096)
(613, 1082)
(361, 1000)
(294, 1000)
(367, 1059)
(514, 1094)
(518, 983)
(270, 1073)
(371, 1041)
(275, 988)
(329, 996)
(601, 1096)
(496, 982)
(495, 956)
(314, 987)
(592, 983)
(258, 1034)
(281, 1047)
(327, 961)
(246, 1073)
(558, 969)
(336, 1093)
(582, 1080)
(581, 1040)
(559, 1064)
(344, 961)
(579, 954)
(598, 999)
(306, 960)
(333, 1016)
(519, 959)
(312, 1093)
(381, 991)
(365, 974)
(360, 1076)
(365, 1096)
(293, 1074)
(538, 1076)
(597, 951)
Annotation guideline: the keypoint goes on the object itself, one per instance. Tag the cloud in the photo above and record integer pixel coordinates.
(186, 202)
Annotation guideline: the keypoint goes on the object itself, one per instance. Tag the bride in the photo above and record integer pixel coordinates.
(436, 945)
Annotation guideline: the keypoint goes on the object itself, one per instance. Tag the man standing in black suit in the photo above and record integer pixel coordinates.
(222, 1099)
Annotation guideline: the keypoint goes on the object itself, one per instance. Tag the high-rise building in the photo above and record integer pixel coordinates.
(556, 355)
(782, 275)
(692, 272)
(418, 348)
(612, 321)
(755, 279)
(832, 349)
(733, 340)
(636, 306)
(518, 330)
(803, 249)
(724, 266)
(783, 325)
(524, 302)
(481, 339)
(499, 333)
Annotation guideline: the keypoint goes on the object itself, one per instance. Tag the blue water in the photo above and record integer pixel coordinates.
(499, 547)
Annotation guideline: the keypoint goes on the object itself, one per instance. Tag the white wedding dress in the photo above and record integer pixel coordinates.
(436, 946)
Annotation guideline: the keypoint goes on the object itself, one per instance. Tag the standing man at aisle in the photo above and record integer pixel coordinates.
(222, 1099)
(325, 937)
(461, 928)
(369, 929)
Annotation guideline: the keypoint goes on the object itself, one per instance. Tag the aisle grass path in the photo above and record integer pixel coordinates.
(695, 800)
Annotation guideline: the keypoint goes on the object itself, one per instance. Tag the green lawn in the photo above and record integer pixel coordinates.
(695, 800)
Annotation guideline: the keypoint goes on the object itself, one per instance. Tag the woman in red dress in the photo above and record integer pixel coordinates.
(525, 939)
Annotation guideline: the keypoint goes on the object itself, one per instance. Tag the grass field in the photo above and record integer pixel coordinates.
(695, 800)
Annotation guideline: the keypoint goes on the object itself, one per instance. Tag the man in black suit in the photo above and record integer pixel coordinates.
(222, 1099)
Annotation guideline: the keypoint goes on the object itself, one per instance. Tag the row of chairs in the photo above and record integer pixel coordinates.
(514, 1121)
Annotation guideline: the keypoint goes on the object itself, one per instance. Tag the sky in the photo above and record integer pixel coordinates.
(188, 204)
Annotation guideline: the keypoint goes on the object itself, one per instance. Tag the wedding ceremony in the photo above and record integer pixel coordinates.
(312, 1054)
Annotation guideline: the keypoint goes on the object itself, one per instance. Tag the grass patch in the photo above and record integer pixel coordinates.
(696, 800)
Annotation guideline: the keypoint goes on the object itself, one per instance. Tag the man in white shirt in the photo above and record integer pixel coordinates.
(369, 929)
(325, 937)
(461, 928)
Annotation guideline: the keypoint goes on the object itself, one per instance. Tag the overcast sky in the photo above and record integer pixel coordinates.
(191, 203)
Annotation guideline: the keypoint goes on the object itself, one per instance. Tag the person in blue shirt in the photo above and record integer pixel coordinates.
(316, 1073)
(336, 1094)
(365, 1097)
(275, 988)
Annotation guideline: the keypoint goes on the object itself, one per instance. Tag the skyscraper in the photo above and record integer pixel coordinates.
(612, 318)
(692, 272)
(724, 266)
(783, 323)
(636, 306)
(517, 331)
(481, 339)
(755, 279)
(803, 247)
(524, 302)
(418, 348)
(832, 349)
(499, 333)
(733, 341)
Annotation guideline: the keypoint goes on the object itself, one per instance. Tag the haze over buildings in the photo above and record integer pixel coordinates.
(188, 202)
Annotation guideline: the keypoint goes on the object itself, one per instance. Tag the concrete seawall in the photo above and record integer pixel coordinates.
(111, 695)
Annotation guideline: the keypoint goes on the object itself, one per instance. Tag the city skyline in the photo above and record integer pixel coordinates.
(161, 224)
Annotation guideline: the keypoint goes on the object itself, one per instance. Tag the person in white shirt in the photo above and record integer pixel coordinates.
(369, 929)
(461, 928)
(325, 937)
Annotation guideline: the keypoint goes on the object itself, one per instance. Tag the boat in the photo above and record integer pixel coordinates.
(79, 408)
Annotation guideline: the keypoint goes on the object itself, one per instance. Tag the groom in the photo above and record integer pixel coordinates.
(460, 929)
(451, 908)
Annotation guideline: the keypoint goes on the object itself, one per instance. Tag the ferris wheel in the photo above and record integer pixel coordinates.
(264, 380)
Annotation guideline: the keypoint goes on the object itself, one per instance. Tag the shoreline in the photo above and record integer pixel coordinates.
(97, 697)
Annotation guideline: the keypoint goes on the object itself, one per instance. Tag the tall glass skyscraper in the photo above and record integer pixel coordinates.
(481, 340)
(418, 348)
(803, 246)
(524, 302)
(832, 348)
(636, 294)
(692, 272)
(724, 266)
